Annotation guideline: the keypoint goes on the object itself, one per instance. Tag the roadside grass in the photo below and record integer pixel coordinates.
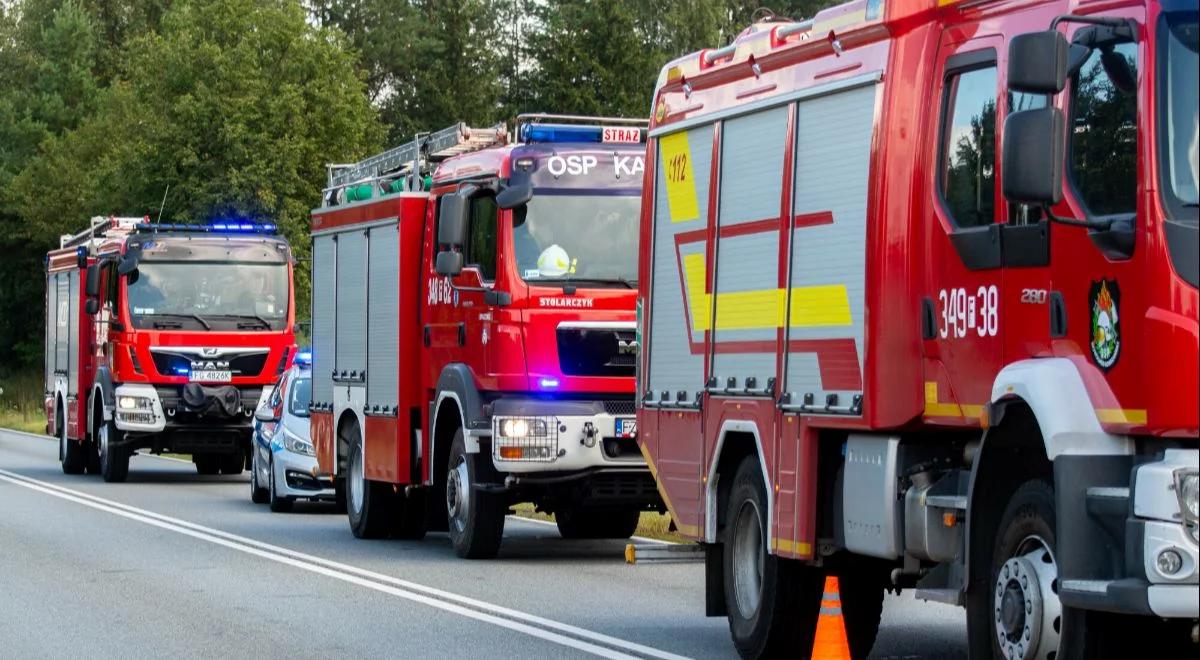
(652, 525)
(21, 401)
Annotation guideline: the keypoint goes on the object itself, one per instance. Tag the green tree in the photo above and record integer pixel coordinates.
(236, 105)
(48, 54)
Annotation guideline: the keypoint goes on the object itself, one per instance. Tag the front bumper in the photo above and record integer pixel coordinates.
(296, 476)
(160, 408)
(1143, 521)
(579, 435)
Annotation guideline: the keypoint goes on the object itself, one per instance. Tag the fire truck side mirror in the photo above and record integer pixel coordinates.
(448, 263)
(91, 287)
(514, 196)
(128, 263)
(1037, 62)
(452, 220)
(92, 306)
(1033, 156)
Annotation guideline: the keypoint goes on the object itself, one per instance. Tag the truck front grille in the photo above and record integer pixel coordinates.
(175, 362)
(597, 351)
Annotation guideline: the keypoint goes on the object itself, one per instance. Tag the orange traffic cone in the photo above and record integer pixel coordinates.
(830, 642)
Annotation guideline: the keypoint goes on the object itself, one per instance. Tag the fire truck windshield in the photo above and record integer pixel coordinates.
(590, 239)
(1180, 115)
(208, 296)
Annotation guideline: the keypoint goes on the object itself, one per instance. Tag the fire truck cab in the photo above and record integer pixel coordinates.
(920, 311)
(473, 332)
(164, 337)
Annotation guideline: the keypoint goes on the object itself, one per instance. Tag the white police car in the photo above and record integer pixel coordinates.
(283, 464)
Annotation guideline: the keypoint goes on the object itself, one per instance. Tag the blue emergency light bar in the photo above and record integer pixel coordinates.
(304, 358)
(562, 133)
(222, 227)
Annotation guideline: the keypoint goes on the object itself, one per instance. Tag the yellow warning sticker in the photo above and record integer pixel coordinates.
(681, 183)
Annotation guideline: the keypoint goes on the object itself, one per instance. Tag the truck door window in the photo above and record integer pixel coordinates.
(1103, 142)
(968, 148)
(480, 250)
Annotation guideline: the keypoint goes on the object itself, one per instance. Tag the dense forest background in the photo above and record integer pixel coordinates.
(219, 108)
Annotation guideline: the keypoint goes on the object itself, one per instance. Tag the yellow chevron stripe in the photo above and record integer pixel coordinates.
(1121, 416)
(937, 408)
(764, 309)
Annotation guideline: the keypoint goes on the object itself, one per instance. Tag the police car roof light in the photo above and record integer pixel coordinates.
(304, 358)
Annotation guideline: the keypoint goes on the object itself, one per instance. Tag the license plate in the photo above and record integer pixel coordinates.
(212, 376)
(626, 427)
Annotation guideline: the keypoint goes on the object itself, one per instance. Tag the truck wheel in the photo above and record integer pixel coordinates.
(207, 464)
(773, 603)
(113, 458)
(278, 503)
(861, 595)
(370, 505)
(258, 494)
(1026, 617)
(70, 453)
(233, 463)
(583, 523)
(476, 518)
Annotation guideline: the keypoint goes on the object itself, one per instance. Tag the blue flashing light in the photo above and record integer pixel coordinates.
(182, 371)
(240, 227)
(562, 133)
(304, 358)
(548, 383)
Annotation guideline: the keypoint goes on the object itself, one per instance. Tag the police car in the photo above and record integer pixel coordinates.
(283, 462)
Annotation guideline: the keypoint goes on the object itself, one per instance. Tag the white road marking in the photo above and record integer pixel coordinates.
(568, 635)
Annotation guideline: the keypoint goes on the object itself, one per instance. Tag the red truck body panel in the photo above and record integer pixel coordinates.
(984, 318)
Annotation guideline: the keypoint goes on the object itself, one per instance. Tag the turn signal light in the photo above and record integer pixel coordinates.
(511, 453)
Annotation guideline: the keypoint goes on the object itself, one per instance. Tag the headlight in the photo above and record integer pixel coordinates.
(297, 445)
(134, 403)
(1187, 489)
(520, 427)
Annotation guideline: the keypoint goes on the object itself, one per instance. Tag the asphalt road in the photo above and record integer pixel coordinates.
(176, 564)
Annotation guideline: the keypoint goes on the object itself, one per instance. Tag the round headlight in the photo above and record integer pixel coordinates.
(1169, 562)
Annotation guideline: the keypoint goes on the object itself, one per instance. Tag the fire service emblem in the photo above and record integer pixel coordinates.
(1104, 298)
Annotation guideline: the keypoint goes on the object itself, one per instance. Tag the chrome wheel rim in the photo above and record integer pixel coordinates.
(748, 559)
(1026, 608)
(103, 436)
(458, 501)
(357, 486)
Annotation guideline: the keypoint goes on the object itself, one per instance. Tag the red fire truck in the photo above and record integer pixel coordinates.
(473, 332)
(164, 337)
(919, 310)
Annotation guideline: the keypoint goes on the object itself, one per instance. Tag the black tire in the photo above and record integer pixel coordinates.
(783, 620)
(277, 502)
(583, 523)
(1030, 518)
(71, 454)
(339, 495)
(113, 459)
(234, 463)
(862, 593)
(371, 506)
(475, 518)
(258, 494)
(207, 464)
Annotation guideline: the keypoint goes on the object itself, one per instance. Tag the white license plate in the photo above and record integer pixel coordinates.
(211, 376)
(626, 427)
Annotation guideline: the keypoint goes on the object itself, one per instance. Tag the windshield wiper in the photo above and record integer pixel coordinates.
(628, 284)
(253, 317)
(199, 319)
